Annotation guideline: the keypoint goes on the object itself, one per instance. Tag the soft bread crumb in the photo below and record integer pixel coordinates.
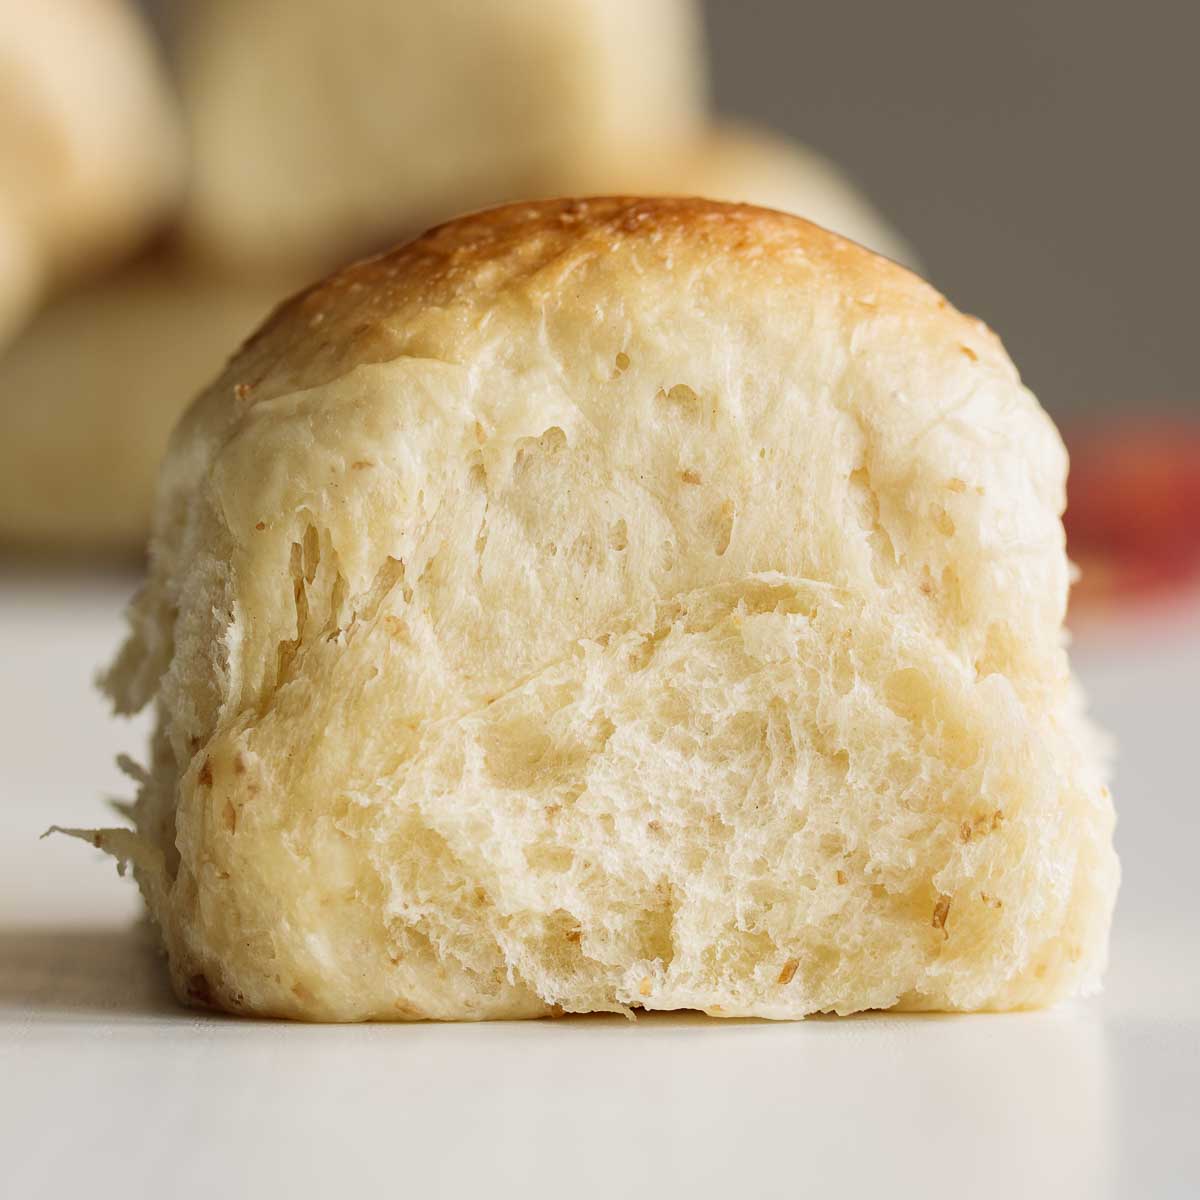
(521, 720)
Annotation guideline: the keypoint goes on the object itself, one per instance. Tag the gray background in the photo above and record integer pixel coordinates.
(1041, 156)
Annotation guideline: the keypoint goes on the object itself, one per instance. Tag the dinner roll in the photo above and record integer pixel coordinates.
(733, 162)
(615, 604)
(21, 277)
(321, 126)
(89, 392)
(90, 148)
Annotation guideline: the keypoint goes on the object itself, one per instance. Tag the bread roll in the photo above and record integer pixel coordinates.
(90, 147)
(21, 277)
(326, 126)
(89, 392)
(733, 162)
(616, 604)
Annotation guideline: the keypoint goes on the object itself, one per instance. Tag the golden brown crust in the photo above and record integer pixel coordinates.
(351, 317)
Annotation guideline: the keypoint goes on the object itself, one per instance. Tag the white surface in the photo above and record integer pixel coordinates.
(107, 1088)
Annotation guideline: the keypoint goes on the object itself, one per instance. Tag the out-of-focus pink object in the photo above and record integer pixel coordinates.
(1133, 512)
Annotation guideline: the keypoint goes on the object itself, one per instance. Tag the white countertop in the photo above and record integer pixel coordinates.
(107, 1088)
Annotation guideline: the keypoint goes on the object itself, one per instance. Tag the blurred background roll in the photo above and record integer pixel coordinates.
(91, 158)
(89, 394)
(321, 128)
(20, 276)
